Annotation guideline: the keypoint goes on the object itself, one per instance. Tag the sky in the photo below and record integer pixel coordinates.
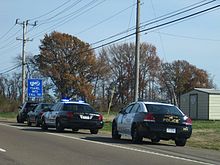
(194, 39)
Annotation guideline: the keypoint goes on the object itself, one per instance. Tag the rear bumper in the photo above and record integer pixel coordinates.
(161, 131)
(82, 124)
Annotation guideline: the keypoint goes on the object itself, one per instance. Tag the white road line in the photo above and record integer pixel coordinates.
(118, 146)
(132, 149)
(2, 150)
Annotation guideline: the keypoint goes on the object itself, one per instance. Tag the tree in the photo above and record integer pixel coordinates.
(180, 77)
(121, 61)
(69, 62)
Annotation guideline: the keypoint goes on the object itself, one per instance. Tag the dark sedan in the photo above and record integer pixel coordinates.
(74, 115)
(156, 121)
(34, 116)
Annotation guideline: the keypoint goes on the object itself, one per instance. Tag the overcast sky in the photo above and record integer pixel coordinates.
(195, 39)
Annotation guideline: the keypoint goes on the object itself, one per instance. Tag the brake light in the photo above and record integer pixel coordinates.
(69, 115)
(188, 121)
(100, 117)
(149, 117)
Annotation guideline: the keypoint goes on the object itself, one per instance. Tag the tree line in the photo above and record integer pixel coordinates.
(70, 68)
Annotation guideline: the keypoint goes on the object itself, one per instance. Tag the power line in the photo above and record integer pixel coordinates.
(160, 18)
(112, 16)
(189, 37)
(158, 26)
(51, 11)
(11, 69)
(7, 32)
(83, 10)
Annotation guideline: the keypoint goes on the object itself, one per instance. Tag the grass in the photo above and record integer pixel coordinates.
(206, 134)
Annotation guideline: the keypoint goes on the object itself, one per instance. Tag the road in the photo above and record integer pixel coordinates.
(23, 145)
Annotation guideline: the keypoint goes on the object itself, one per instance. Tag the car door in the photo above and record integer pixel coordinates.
(125, 119)
(55, 113)
(130, 118)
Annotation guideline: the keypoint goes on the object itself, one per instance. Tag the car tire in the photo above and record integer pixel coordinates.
(37, 124)
(180, 142)
(115, 134)
(59, 127)
(155, 140)
(28, 122)
(19, 120)
(44, 125)
(136, 138)
(94, 131)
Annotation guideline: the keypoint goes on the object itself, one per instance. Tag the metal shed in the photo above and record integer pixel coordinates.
(201, 103)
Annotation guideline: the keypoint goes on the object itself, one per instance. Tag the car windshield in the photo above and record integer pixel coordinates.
(31, 106)
(163, 109)
(82, 108)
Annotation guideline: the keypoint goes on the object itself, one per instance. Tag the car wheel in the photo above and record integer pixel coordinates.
(44, 125)
(115, 134)
(59, 127)
(155, 140)
(75, 130)
(180, 142)
(28, 122)
(18, 120)
(136, 138)
(94, 131)
(37, 124)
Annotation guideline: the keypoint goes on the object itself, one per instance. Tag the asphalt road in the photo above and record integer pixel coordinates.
(23, 145)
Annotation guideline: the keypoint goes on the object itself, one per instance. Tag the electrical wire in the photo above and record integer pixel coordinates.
(106, 19)
(43, 15)
(158, 26)
(62, 22)
(7, 32)
(160, 18)
(11, 69)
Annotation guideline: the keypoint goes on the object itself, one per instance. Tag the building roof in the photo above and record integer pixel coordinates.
(209, 91)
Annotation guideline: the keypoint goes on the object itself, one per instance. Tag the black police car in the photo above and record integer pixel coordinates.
(74, 115)
(34, 116)
(24, 109)
(156, 121)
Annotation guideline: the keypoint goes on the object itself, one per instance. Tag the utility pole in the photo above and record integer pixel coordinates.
(137, 52)
(24, 25)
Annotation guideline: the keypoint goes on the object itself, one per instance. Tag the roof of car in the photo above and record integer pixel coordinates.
(155, 103)
(73, 102)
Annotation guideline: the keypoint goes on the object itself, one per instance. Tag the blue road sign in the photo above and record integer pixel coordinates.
(35, 88)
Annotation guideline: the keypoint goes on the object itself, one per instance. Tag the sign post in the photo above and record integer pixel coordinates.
(35, 88)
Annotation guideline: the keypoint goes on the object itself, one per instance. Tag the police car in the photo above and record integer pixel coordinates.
(74, 115)
(152, 120)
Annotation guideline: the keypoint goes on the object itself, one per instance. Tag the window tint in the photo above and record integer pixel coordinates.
(135, 108)
(82, 108)
(128, 109)
(163, 109)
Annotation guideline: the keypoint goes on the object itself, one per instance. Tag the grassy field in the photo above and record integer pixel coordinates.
(206, 134)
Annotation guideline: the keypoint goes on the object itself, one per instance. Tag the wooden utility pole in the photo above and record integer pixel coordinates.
(24, 25)
(137, 52)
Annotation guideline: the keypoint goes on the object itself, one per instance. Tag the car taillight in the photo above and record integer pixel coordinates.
(188, 121)
(100, 118)
(69, 115)
(149, 117)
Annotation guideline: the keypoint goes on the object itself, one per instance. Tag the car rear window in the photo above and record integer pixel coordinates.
(82, 108)
(163, 109)
(31, 106)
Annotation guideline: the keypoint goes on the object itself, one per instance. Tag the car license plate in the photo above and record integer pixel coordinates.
(84, 117)
(171, 130)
